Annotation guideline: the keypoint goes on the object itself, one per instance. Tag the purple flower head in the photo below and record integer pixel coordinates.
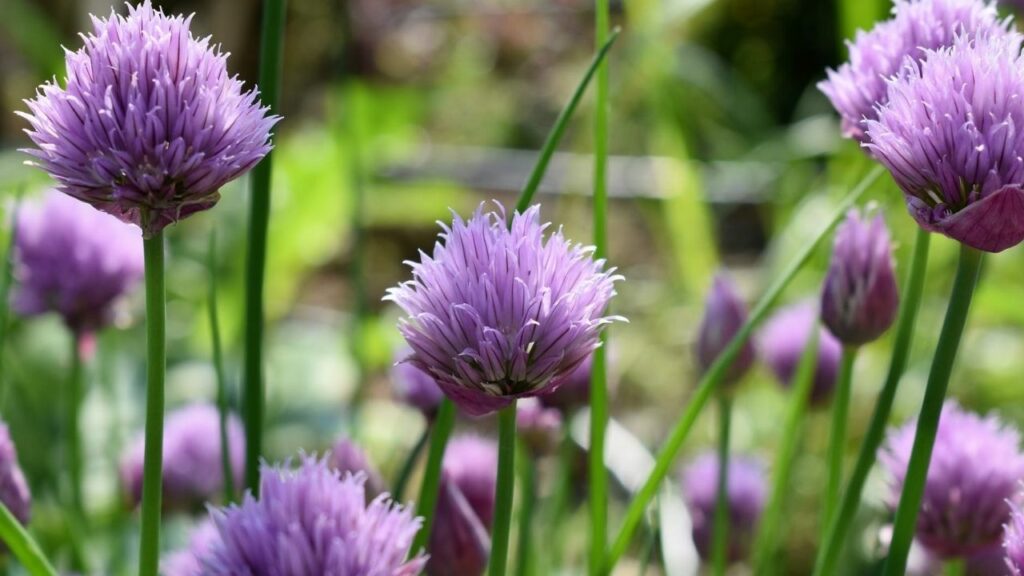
(858, 87)
(498, 312)
(746, 497)
(348, 458)
(310, 522)
(149, 125)
(948, 135)
(73, 260)
(471, 464)
(415, 387)
(186, 562)
(14, 492)
(460, 544)
(193, 472)
(724, 315)
(539, 427)
(782, 342)
(859, 299)
(975, 468)
(1013, 538)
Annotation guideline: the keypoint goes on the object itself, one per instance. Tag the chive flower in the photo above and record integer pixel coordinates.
(783, 339)
(148, 124)
(75, 261)
(724, 315)
(414, 387)
(745, 494)
(975, 469)
(858, 87)
(193, 472)
(185, 562)
(860, 299)
(14, 491)
(499, 312)
(948, 135)
(348, 458)
(1013, 538)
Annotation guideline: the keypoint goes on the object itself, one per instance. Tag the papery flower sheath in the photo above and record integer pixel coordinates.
(745, 493)
(500, 312)
(148, 125)
(949, 136)
(724, 315)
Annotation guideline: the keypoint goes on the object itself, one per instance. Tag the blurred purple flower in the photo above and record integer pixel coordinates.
(782, 342)
(471, 464)
(1013, 538)
(858, 87)
(73, 260)
(948, 136)
(460, 544)
(14, 491)
(413, 386)
(192, 469)
(724, 315)
(348, 458)
(186, 562)
(149, 124)
(573, 390)
(859, 299)
(311, 522)
(499, 312)
(975, 468)
(540, 428)
(746, 498)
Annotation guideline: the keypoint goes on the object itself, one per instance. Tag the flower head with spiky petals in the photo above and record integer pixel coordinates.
(1013, 538)
(500, 312)
(149, 125)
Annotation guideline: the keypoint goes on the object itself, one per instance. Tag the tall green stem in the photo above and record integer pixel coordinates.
(913, 286)
(681, 429)
(504, 492)
(766, 543)
(931, 408)
(218, 369)
(156, 362)
(427, 501)
(6, 279)
(837, 434)
(410, 462)
(271, 44)
(74, 408)
(720, 539)
(24, 548)
(528, 482)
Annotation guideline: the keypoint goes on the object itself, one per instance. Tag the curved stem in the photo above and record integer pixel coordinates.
(410, 462)
(528, 481)
(218, 369)
(714, 375)
(720, 541)
(504, 490)
(149, 552)
(837, 433)
(74, 407)
(427, 501)
(24, 548)
(931, 408)
(828, 554)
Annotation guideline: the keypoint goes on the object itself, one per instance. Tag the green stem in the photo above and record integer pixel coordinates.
(410, 463)
(528, 481)
(74, 408)
(7, 279)
(427, 501)
(218, 369)
(357, 276)
(711, 379)
(837, 434)
(931, 408)
(828, 554)
(767, 539)
(720, 538)
(271, 44)
(563, 490)
(156, 362)
(21, 544)
(955, 567)
(504, 492)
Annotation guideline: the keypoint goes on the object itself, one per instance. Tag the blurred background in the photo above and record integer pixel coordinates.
(724, 155)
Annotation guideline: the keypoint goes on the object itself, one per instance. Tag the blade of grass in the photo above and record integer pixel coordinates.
(21, 544)
(218, 369)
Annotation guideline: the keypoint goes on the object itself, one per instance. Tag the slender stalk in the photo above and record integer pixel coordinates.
(837, 434)
(560, 499)
(74, 408)
(410, 462)
(21, 544)
(218, 369)
(931, 408)
(528, 482)
(427, 501)
(720, 538)
(828, 554)
(271, 44)
(504, 491)
(5, 288)
(955, 567)
(156, 361)
(768, 534)
(712, 378)
(357, 276)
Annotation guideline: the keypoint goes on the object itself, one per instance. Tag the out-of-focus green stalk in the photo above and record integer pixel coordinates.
(156, 363)
(427, 500)
(74, 407)
(837, 434)
(931, 408)
(955, 567)
(505, 490)
(410, 462)
(714, 375)
(271, 48)
(528, 482)
(6, 279)
(720, 538)
(354, 151)
(21, 544)
(835, 536)
(218, 369)
(560, 499)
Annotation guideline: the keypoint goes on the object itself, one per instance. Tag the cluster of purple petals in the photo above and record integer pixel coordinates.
(413, 386)
(14, 492)
(149, 124)
(1013, 539)
(73, 260)
(724, 315)
(348, 458)
(783, 339)
(746, 491)
(193, 472)
(500, 312)
(975, 469)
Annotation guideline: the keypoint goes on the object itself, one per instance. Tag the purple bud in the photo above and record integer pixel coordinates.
(460, 544)
(471, 464)
(540, 428)
(860, 298)
(782, 342)
(746, 496)
(14, 492)
(413, 386)
(724, 315)
(348, 458)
